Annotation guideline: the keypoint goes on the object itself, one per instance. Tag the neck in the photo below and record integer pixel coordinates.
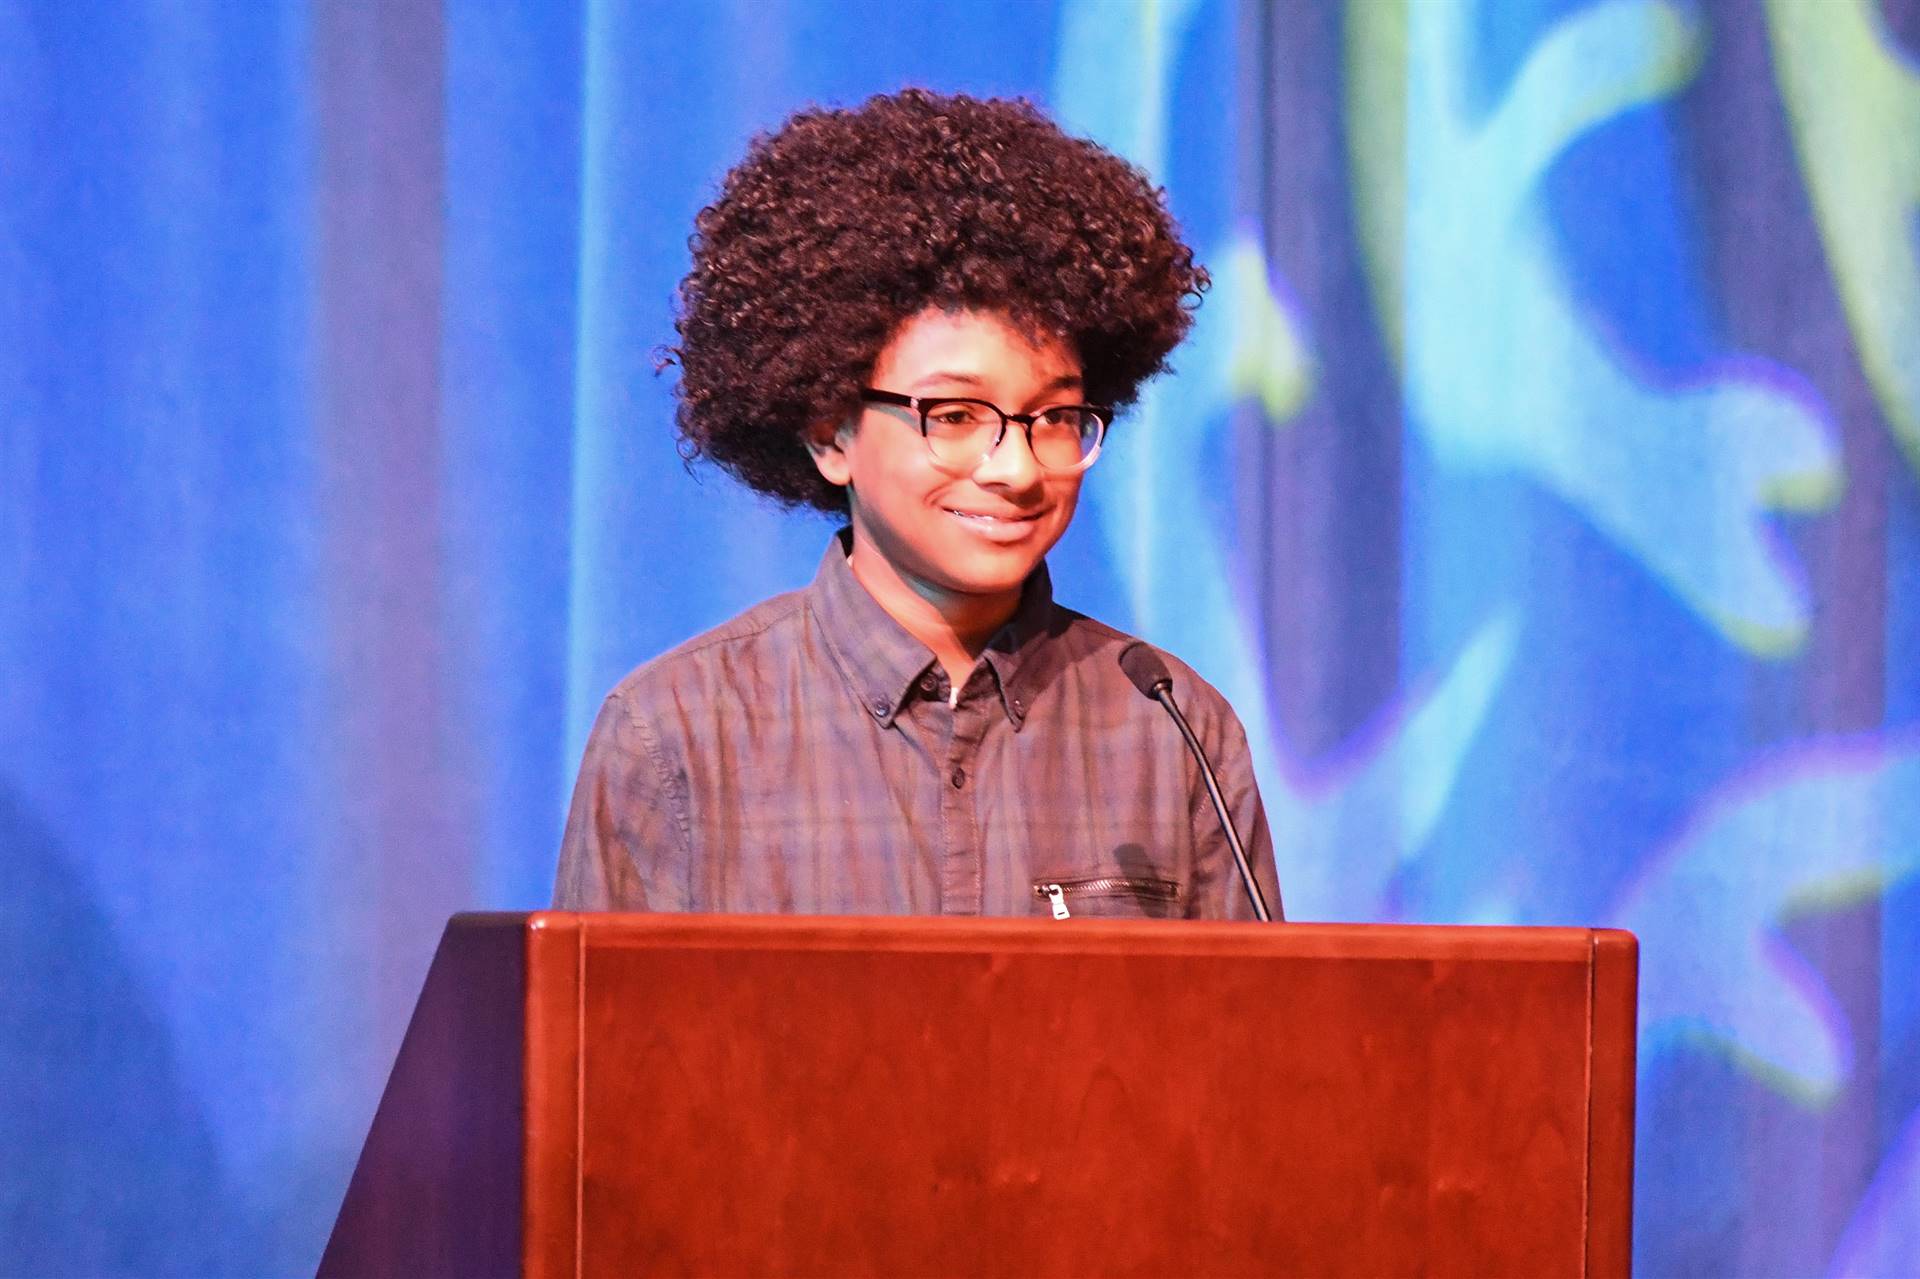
(954, 626)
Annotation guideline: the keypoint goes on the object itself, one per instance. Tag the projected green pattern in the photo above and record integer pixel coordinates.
(1502, 370)
(1855, 109)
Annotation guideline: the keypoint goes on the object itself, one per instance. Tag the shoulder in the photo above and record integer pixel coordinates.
(1095, 647)
(1090, 650)
(739, 653)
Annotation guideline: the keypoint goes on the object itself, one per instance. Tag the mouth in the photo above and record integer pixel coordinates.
(997, 526)
(988, 517)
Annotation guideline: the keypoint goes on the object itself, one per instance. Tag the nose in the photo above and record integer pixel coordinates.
(1010, 464)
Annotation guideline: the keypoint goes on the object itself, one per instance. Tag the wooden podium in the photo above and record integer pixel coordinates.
(709, 1095)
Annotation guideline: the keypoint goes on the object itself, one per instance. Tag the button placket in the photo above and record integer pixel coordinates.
(962, 872)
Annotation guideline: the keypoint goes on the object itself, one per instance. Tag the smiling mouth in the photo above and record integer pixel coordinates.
(983, 518)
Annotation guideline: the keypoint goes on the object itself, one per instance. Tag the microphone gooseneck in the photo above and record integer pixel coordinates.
(1144, 669)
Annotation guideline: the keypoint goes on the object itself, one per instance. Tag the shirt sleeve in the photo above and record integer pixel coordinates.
(626, 845)
(1218, 892)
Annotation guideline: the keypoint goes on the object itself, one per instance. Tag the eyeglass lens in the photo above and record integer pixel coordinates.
(962, 432)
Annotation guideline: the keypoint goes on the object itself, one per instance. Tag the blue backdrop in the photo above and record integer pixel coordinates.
(1540, 484)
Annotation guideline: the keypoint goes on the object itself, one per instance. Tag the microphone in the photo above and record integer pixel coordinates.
(1149, 674)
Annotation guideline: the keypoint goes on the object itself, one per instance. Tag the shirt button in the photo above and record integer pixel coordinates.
(879, 707)
(959, 777)
(928, 685)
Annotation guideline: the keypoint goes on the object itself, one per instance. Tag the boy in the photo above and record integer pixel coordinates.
(919, 314)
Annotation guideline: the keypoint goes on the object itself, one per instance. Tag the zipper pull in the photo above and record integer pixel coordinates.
(1058, 896)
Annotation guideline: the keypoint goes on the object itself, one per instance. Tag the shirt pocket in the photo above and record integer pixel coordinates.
(1110, 897)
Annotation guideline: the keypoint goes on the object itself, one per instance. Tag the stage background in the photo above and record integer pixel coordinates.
(1541, 486)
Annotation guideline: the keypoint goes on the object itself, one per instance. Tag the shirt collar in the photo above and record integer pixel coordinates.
(882, 662)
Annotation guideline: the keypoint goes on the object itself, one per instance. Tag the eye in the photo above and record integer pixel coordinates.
(958, 415)
(1066, 419)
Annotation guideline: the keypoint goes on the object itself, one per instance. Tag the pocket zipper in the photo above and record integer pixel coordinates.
(1056, 891)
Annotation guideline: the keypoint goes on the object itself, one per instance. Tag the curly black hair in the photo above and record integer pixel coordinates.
(841, 225)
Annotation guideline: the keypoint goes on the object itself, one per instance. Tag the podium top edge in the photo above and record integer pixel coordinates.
(948, 933)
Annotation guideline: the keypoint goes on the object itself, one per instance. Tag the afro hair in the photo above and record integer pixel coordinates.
(843, 224)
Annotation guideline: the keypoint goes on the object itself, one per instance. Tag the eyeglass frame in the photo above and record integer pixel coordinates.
(922, 404)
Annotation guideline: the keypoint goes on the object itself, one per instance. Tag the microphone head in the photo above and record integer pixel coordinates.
(1143, 666)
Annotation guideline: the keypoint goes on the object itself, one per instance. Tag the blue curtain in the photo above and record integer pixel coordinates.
(1542, 483)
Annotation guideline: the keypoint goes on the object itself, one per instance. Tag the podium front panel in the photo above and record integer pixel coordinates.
(794, 1096)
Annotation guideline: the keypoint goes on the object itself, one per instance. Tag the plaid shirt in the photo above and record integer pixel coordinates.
(805, 758)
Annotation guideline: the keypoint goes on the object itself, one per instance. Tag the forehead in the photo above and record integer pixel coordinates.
(985, 346)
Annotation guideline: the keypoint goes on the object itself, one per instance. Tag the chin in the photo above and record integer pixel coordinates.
(990, 573)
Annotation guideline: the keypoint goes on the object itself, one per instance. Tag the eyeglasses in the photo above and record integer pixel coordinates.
(962, 433)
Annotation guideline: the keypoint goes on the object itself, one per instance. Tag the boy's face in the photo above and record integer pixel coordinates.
(946, 536)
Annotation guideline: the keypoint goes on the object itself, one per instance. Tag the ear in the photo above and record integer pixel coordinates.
(827, 447)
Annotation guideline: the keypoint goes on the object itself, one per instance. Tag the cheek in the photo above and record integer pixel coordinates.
(897, 483)
(1066, 498)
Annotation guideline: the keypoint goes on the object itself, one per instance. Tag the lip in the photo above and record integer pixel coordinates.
(995, 526)
(1002, 517)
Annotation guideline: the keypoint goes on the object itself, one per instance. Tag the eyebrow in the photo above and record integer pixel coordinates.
(1060, 383)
